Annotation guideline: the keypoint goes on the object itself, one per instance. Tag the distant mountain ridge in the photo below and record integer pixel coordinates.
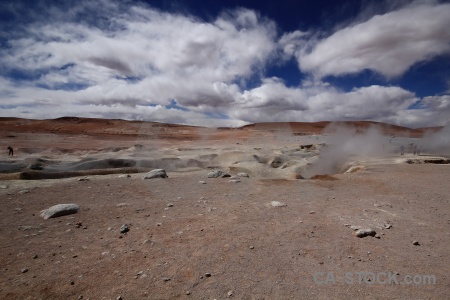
(94, 126)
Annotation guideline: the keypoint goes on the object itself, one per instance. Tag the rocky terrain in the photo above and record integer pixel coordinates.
(320, 215)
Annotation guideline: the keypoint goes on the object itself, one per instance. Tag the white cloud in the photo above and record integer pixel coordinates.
(166, 55)
(388, 44)
(131, 61)
(318, 102)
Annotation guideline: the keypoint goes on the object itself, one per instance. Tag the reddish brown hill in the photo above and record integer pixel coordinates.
(93, 126)
(319, 127)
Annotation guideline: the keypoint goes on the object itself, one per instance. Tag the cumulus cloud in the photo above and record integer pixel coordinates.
(388, 44)
(115, 59)
(142, 54)
(316, 101)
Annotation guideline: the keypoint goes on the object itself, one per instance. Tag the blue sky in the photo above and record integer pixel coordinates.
(227, 63)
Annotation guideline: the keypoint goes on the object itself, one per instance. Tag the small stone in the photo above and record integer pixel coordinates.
(23, 192)
(124, 228)
(230, 293)
(207, 274)
(218, 173)
(188, 293)
(242, 174)
(158, 224)
(24, 228)
(35, 256)
(60, 210)
(119, 298)
(24, 270)
(80, 297)
(157, 173)
(365, 232)
(170, 205)
(416, 243)
(277, 204)
(72, 282)
(312, 212)
(252, 247)
(202, 182)
(234, 181)
(84, 179)
(166, 279)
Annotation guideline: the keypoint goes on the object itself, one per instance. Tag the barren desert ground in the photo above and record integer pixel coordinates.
(288, 231)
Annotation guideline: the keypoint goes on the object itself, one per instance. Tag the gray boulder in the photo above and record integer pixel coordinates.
(60, 210)
(365, 232)
(218, 173)
(156, 173)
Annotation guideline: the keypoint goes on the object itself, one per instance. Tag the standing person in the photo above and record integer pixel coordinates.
(11, 151)
(402, 150)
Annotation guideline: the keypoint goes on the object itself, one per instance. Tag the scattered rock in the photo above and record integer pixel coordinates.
(3, 186)
(365, 232)
(252, 247)
(124, 228)
(230, 294)
(243, 174)
(60, 210)
(277, 204)
(416, 243)
(84, 179)
(207, 274)
(23, 192)
(166, 279)
(170, 205)
(218, 173)
(276, 162)
(24, 270)
(235, 181)
(188, 293)
(35, 256)
(387, 226)
(156, 173)
(202, 182)
(122, 204)
(24, 228)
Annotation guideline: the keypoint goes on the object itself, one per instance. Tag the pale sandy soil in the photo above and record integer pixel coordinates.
(230, 230)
